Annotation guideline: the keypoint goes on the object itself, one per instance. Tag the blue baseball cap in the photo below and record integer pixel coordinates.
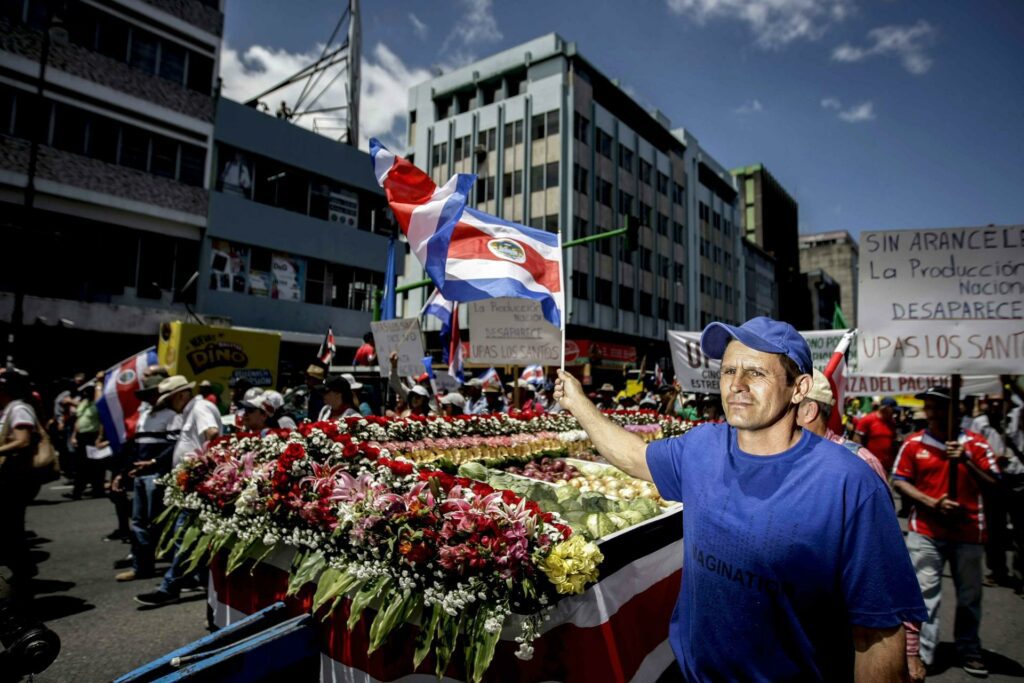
(761, 334)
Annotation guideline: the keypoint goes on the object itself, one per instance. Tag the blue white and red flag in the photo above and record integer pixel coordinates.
(659, 376)
(835, 372)
(534, 374)
(451, 339)
(491, 377)
(119, 406)
(470, 255)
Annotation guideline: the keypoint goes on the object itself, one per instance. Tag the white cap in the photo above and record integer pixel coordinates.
(453, 399)
(352, 383)
(271, 401)
(252, 394)
(418, 389)
(820, 388)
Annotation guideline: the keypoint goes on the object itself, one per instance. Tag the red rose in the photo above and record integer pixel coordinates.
(294, 451)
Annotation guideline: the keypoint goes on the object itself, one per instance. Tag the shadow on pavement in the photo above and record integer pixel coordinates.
(192, 597)
(44, 586)
(51, 607)
(998, 665)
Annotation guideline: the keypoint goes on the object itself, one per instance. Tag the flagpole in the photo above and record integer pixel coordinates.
(561, 286)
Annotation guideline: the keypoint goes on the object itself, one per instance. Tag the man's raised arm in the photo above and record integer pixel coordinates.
(626, 451)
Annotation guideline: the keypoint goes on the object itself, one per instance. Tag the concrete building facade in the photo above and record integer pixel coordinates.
(838, 255)
(106, 126)
(771, 220)
(560, 146)
(298, 229)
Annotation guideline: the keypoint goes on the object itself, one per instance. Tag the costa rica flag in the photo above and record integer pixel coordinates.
(118, 407)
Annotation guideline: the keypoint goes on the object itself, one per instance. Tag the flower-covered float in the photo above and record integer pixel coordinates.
(449, 530)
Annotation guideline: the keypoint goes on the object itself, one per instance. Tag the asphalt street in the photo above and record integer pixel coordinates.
(104, 633)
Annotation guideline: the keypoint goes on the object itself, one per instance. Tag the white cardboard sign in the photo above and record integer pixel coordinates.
(942, 301)
(506, 331)
(402, 335)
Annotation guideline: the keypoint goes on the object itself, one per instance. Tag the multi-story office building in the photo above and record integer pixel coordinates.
(771, 220)
(106, 124)
(837, 254)
(297, 234)
(824, 293)
(761, 287)
(560, 146)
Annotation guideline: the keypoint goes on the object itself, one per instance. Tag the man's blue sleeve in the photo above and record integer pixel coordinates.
(878, 580)
(664, 460)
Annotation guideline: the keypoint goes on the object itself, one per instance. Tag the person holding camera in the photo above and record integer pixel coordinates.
(947, 523)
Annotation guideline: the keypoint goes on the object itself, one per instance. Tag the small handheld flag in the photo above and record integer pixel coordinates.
(326, 353)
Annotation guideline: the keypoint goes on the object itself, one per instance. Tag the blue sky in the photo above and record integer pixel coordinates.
(874, 115)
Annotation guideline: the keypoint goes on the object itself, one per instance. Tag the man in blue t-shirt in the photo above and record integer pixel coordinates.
(794, 563)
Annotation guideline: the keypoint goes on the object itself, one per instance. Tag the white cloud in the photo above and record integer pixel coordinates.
(857, 113)
(774, 23)
(419, 27)
(476, 26)
(865, 111)
(749, 107)
(384, 91)
(906, 42)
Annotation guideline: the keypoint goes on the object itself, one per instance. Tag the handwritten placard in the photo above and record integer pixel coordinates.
(401, 335)
(508, 331)
(942, 301)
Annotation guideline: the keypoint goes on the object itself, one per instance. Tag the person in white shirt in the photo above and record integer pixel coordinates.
(200, 422)
(18, 426)
(338, 401)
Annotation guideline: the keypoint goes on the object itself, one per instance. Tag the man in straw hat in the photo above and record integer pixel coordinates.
(199, 422)
(785, 535)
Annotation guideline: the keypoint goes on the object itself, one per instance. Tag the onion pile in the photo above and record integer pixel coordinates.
(546, 469)
(620, 486)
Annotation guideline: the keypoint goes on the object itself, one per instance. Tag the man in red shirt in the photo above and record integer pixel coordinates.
(367, 353)
(877, 432)
(946, 528)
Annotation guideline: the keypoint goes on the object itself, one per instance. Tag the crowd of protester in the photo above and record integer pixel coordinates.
(907, 447)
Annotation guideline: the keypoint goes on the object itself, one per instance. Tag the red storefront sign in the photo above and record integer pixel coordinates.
(583, 351)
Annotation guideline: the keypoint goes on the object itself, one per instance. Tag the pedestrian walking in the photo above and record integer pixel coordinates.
(18, 428)
(785, 535)
(876, 431)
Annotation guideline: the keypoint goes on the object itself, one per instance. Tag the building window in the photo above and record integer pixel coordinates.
(581, 228)
(645, 214)
(662, 183)
(604, 192)
(603, 291)
(580, 285)
(663, 266)
(680, 272)
(625, 158)
(678, 233)
(490, 92)
(625, 203)
(553, 122)
(443, 106)
(645, 258)
(680, 314)
(581, 128)
(604, 144)
(703, 211)
(512, 183)
(645, 303)
(457, 150)
(551, 174)
(513, 133)
(716, 220)
(662, 224)
(580, 179)
(677, 194)
(663, 308)
(626, 298)
(484, 189)
(439, 154)
(645, 172)
(551, 222)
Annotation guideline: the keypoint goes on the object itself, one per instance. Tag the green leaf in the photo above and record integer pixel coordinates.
(239, 554)
(336, 590)
(426, 637)
(323, 585)
(202, 546)
(307, 571)
(394, 615)
(482, 646)
(447, 637)
(192, 534)
(364, 597)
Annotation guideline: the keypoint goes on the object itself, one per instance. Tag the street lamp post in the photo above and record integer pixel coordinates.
(57, 33)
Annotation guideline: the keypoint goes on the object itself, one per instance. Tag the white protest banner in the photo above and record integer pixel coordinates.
(942, 301)
(698, 373)
(401, 335)
(507, 331)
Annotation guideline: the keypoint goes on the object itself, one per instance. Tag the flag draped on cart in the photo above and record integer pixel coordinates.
(835, 372)
(470, 255)
(119, 406)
